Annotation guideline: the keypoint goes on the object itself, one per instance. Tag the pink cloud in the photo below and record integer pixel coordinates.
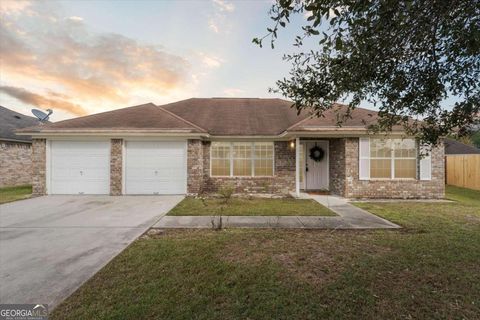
(37, 100)
(64, 54)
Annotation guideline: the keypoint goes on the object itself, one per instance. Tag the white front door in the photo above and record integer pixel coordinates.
(79, 167)
(316, 171)
(155, 167)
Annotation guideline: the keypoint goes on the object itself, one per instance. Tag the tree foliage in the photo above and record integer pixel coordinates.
(405, 57)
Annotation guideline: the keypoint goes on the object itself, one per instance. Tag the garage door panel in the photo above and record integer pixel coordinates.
(80, 167)
(155, 167)
(150, 161)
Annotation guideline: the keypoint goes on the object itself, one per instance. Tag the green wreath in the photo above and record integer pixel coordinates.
(317, 154)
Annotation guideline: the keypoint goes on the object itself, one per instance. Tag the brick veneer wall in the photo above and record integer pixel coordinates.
(116, 171)
(283, 181)
(337, 166)
(15, 164)
(39, 152)
(195, 163)
(402, 189)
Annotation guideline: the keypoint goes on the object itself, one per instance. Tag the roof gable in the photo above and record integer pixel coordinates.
(238, 116)
(146, 116)
(359, 118)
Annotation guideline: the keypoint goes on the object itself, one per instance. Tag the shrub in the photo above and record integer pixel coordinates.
(226, 192)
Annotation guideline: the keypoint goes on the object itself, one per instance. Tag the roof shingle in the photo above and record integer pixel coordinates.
(216, 116)
(238, 116)
(456, 147)
(145, 116)
(11, 121)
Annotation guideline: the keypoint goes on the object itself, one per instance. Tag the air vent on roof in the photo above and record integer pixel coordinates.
(17, 117)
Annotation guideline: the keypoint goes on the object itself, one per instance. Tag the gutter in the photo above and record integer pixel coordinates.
(333, 132)
(113, 133)
(16, 140)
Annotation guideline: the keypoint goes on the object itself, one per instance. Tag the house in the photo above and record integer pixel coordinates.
(15, 150)
(256, 145)
(454, 147)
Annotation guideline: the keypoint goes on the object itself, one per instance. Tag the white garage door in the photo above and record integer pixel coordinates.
(155, 167)
(80, 167)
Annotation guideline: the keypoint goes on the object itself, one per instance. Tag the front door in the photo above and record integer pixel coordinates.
(316, 165)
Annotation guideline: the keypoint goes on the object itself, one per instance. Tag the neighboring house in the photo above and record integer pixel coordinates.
(15, 150)
(257, 145)
(454, 147)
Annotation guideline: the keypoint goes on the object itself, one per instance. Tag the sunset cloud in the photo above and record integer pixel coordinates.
(233, 92)
(75, 18)
(211, 61)
(224, 5)
(64, 56)
(218, 21)
(13, 6)
(50, 102)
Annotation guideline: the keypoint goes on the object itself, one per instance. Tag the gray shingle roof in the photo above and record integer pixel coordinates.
(456, 147)
(145, 116)
(10, 121)
(215, 116)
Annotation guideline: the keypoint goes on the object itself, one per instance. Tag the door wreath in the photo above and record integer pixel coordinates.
(317, 154)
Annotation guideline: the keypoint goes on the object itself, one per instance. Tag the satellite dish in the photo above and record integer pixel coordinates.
(42, 116)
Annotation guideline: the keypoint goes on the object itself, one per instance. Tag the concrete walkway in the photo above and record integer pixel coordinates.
(349, 217)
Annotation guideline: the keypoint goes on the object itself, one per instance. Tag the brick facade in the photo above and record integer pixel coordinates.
(39, 152)
(401, 189)
(116, 171)
(195, 163)
(343, 173)
(344, 176)
(337, 166)
(283, 181)
(15, 164)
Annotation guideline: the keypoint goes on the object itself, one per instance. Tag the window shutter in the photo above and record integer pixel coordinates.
(425, 163)
(364, 159)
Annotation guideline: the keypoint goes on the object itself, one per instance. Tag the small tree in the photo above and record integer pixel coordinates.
(417, 60)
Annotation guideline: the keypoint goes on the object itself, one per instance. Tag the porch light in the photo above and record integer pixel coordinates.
(292, 144)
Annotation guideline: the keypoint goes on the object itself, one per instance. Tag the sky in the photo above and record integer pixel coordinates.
(80, 57)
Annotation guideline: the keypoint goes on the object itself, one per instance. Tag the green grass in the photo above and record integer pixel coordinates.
(250, 207)
(428, 270)
(9, 194)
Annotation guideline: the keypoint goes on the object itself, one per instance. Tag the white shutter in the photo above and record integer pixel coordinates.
(425, 162)
(364, 159)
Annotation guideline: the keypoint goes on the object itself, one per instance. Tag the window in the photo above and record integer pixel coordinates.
(405, 157)
(242, 159)
(380, 158)
(393, 159)
(220, 158)
(263, 159)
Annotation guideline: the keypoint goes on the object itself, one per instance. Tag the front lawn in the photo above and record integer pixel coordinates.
(428, 270)
(250, 207)
(9, 194)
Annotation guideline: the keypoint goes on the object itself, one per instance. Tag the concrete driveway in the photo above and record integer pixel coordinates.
(50, 245)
